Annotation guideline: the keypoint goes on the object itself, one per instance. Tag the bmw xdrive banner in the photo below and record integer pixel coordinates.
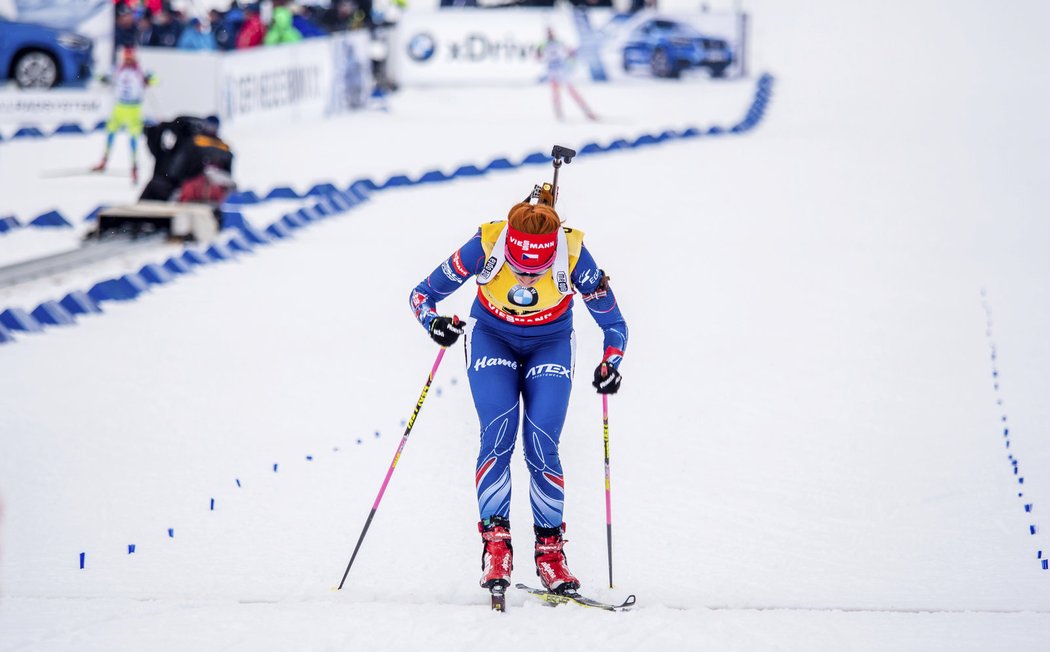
(475, 45)
(499, 46)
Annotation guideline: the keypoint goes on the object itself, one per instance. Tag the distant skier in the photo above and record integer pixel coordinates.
(556, 56)
(129, 84)
(520, 346)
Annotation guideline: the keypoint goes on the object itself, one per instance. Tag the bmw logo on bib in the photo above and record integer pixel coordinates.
(522, 296)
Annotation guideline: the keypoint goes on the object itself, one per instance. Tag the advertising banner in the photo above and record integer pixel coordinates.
(184, 82)
(51, 108)
(298, 81)
(465, 45)
(290, 81)
(499, 46)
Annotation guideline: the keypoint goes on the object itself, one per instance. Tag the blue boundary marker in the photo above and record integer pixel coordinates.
(9, 223)
(51, 219)
(328, 199)
(17, 319)
(51, 313)
(132, 548)
(1015, 464)
(62, 129)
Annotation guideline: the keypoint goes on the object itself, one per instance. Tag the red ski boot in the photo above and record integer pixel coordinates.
(101, 167)
(550, 560)
(497, 556)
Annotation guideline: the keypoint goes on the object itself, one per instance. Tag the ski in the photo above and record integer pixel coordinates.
(554, 599)
(83, 172)
(498, 594)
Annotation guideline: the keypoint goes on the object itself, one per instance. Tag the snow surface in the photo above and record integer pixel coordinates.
(808, 450)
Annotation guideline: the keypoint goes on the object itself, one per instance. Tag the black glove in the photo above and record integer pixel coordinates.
(446, 330)
(606, 379)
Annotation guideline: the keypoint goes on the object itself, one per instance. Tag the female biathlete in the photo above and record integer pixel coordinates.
(520, 353)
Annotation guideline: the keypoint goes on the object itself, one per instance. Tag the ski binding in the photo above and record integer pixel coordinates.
(498, 594)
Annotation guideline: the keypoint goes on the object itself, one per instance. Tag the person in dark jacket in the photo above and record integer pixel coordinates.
(339, 16)
(145, 27)
(196, 148)
(165, 32)
(126, 32)
(224, 27)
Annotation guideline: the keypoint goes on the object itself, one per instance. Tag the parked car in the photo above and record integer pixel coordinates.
(35, 56)
(667, 47)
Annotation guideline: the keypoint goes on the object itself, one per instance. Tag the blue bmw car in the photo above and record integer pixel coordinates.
(667, 47)
(35, 56)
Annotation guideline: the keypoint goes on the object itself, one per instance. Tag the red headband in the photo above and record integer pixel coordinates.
(530, 252)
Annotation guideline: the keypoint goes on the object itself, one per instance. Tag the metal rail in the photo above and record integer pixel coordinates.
(92, 251)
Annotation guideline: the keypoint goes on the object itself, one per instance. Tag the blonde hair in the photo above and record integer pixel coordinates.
(538, 219)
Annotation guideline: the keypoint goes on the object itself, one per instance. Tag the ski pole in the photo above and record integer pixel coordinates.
(390, 471)
(608, 492)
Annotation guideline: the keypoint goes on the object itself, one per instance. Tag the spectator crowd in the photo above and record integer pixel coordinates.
(160, 23)
(157, 23)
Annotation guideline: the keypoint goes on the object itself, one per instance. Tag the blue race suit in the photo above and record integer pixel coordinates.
(520, 345)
